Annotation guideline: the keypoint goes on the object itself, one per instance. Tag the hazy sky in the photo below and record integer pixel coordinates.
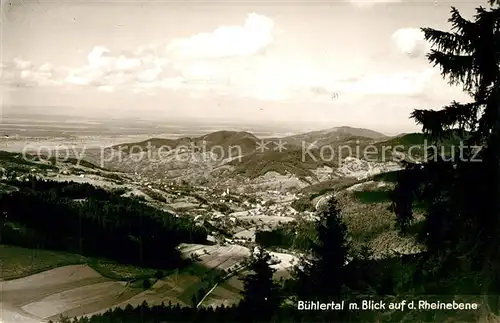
(328, 63)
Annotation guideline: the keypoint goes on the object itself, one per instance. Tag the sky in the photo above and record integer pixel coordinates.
(320, 63)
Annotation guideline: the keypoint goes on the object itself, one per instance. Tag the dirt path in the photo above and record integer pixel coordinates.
(321, 200)
(217, 284)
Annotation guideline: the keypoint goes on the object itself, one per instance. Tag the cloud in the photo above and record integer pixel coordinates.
(228, 41)
(149, 75)
(268, 80)
(180, 63)
(86, 76)
(100, 58)
(127, 64)
(105, 70)
(411, 42)
(222, 62)
(21, 64)
(106, 88)
(23, 73)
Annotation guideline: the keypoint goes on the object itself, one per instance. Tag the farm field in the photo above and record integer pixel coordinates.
(54, 283)
(228, 292)
(69, 290)
(38, 285)
(286, 261)
(171, 289)
(219, 257)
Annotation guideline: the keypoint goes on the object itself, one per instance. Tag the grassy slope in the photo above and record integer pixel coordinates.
(177, 286)
(18, 162)
(17, 262)
(367, 211)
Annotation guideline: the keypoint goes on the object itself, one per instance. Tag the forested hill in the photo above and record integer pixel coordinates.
(92, 221)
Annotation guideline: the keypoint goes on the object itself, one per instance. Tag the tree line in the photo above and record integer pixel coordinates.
(92, 221)
(290, 236)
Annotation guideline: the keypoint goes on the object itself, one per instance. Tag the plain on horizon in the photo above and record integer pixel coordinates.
(289, 64)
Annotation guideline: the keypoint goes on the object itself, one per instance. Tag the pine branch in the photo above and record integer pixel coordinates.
(431, 123)
(450, 43)
(456, 116)
(458, 68)
(489, 117)
(461, 25)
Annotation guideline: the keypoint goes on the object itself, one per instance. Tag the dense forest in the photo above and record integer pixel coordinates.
(290, 236)
(92, 221)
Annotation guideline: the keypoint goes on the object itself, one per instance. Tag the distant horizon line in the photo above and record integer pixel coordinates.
(91, 126)
(66, 132)
(78, 116)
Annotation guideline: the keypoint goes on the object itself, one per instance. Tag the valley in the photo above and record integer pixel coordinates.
(233, 199)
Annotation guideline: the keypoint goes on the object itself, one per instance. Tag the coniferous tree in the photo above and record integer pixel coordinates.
(462, 193)
(320, 275)
(261, 294)
(405, 192)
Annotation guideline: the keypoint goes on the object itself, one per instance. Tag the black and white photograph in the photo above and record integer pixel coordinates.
(249, 161)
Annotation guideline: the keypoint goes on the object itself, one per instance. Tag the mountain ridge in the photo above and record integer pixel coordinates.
(241, 154)
(249, 142)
